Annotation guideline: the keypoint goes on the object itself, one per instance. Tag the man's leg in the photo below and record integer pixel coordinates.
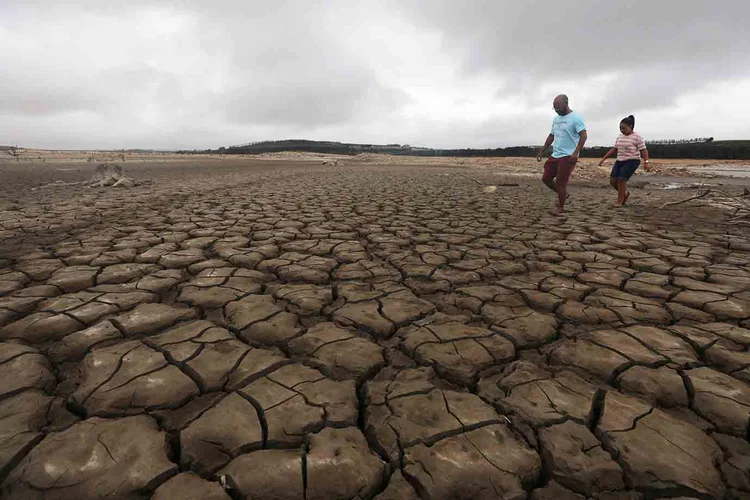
(562, 193)
(550, 172)
(613, 182)
(564, 170)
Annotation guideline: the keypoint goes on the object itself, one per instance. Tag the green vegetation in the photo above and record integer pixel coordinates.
(700, 148)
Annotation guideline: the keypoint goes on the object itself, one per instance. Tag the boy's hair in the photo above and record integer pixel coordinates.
(630, 120)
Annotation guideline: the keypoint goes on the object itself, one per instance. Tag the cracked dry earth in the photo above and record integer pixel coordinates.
(355, 333)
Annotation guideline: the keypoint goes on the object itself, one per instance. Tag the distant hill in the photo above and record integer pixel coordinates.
(687, 148)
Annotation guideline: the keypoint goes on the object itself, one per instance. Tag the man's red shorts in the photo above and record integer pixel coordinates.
(559, 168)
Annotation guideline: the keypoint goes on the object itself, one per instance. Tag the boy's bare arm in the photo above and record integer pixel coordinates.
(646, 162)
(607, 155)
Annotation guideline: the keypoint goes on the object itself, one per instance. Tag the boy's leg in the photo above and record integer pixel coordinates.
(614, 178)
(622, 186)
(622, 191)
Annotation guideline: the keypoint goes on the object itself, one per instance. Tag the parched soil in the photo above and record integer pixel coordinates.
(285, 330)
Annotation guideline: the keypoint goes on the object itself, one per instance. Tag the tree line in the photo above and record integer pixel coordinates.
(698, 148)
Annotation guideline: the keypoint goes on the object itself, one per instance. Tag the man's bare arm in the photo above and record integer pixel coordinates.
(547, 143)
(581, 141)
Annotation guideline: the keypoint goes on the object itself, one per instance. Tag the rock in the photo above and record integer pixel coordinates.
(150, 318)
(415, 411)
(123, 273)
(607, 277)
(726, 356)
(574, 457)
(549, 401)
(338, 352)
(554, 491)
(736, 307)
(457, 351)
(276, 330)
(212, 292)
(305, 300)
(39, 269)
(130, 378)
(659, 452)
(172, 420)
(495, 383)
(21, 368)
(604, 362)
(73, 278)
(22, 420)
(661, 386)
(697, 300)
(577, 312)
(650, 285)
(398, 489)
(230, 428)
(210, 354)
(179, 258)
(188, 486)
(565, 288)
(341, 466)
(76, 345)
(249, 310)
(680, 313)
(487, 463)
(721, 399)
(41, 327)
(403, 307)
(525, 326)
(266, 474)
(670, 346)
(736, 465)
(296, 400)
(630, 308)
(95, 458)
(365, 315)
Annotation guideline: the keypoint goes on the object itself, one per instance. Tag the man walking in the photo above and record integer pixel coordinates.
(567, 138)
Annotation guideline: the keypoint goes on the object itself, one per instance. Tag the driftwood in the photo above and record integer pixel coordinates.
(696, 197)
(109, 175)
(503, 184)
(105, 175)
(737, 205)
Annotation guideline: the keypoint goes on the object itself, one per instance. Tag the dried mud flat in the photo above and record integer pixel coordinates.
(274, 330)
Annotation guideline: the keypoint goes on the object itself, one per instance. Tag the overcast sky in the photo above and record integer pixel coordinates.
(440, 73)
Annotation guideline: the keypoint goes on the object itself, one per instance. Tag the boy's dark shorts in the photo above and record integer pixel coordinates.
(624, 169)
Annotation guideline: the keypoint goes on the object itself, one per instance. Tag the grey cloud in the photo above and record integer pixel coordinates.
(107, 91)
(190, 73)
(587, 36)
(336, 101)
(676, 46)
(282, 64)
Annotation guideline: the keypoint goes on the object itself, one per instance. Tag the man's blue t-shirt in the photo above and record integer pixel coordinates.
(566, 130)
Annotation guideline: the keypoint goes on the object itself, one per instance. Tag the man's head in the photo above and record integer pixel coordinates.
(561, 105)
